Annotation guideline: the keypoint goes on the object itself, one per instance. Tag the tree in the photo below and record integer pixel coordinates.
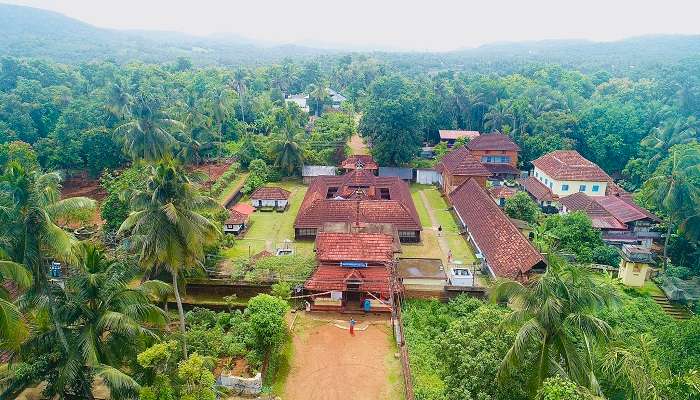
(318, 96)
(258, 176)
(13, 329)
(147, 137)
(118, 100)
(166, 226)
(32, 210)
(497, 116)
(198, 380)
(221, 110)
(521, 206)
(573, 233)
(267, 326)
(391, 121)
(662, 138)
(557, 388)
(104, 318)
(675, 188)
(558, 324)
(239, 85)
(289, 157)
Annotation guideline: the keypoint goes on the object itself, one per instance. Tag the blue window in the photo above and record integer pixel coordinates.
(564, 188)
(582, 188)
(551, 184)
(595, 188)
(546, 181)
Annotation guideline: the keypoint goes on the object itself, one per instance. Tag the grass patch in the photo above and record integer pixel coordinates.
(394, 373)
(460, 248)
(420, 207)
(269, 229)
(649, 289)
(280, 366)
(427, 248)
(232, 187)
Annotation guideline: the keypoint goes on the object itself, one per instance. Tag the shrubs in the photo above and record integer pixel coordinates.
(227, 177)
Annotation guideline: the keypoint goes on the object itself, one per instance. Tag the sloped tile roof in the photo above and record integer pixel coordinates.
(620, 209)
(493, 141)
(368, 247)
(570, 165)
(460, 162)
(502, 169)
(270, 193)
(507, 252)
(236, 218)
(354, 204)
(600, 217)
(502, 192)
(447, 134)
(356, 161)
(537, 189)
(333, 277)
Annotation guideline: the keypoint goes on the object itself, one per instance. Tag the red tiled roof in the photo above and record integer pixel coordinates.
(358, 204)
(537, 189)
(236, 218)
(330, 277)
(446, 134)
(369, 247)
(270, 193)
(461, 162)
(502, 169)
(502, 192)
(244, 208)
(356, 160)
(620, 209)
(493, 141)
(507, 252)
(600, 217)
(570, 165)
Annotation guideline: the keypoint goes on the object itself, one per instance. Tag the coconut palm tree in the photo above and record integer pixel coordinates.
(318, 96)
(166, 228)
(556, 316)
(239, 85)
(104, 317)
(13, 329)
(497, 116)
(118, 100)
(35, 239)
(289, 156)
(675, 190)
(148, 136)
(662, 138)
(221, 109)
(467, 101)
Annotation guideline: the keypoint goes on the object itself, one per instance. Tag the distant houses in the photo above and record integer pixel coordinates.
(450, 136)
(302, 100)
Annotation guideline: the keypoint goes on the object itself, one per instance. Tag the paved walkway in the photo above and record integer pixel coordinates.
(442, 241)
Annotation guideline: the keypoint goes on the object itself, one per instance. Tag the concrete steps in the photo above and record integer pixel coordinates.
(675, 311)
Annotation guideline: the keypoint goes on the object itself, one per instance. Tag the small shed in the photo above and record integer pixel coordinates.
(428, 177)
(405, 174)
(309, 172)
(238, 219)
(270, 198)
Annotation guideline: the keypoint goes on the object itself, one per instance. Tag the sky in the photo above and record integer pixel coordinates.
(428, 25)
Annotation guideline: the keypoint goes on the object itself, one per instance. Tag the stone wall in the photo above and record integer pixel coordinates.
(242, 386)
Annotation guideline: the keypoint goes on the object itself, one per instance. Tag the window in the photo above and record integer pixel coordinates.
(306, 232)
(551, 185)
(495, 159)
(332, 191)
(384, 194)
(582, 188)
(565, 188)
(595, 188)
(546, 181)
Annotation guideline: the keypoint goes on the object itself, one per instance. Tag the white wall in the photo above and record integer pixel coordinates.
(556, 186)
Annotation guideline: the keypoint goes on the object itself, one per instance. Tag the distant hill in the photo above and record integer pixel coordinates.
(32, 32)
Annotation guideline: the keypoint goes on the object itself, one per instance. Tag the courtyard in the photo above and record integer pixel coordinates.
(330, 364)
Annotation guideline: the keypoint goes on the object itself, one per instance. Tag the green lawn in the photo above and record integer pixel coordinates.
(440, 208)
(422, 212)
(269, 229)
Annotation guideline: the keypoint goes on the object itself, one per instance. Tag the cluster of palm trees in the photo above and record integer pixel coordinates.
(81, 327)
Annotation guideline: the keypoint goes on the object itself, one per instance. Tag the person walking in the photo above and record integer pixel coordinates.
(352, 326)
(439, 230)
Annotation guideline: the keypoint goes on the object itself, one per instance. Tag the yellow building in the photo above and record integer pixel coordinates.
(636, 265)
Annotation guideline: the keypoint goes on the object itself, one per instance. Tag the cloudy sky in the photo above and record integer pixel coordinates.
(388, 24)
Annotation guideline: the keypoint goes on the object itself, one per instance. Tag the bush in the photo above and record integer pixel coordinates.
(607, 255)
(199, 316)
(266, 317)
(198, 379)
(556, 388)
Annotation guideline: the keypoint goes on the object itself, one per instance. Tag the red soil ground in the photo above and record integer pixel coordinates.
(80, 185)
(213, 170)
(330, 364)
